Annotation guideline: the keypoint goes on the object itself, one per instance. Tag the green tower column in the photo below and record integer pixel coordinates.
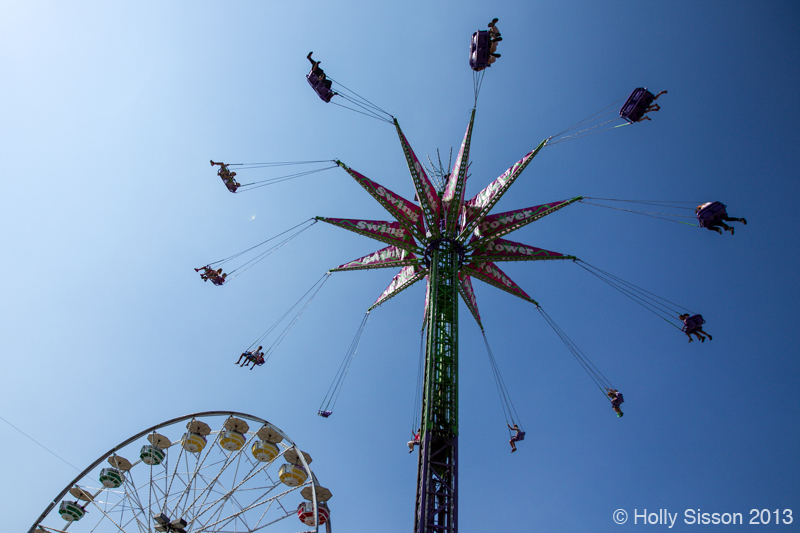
(437, 502)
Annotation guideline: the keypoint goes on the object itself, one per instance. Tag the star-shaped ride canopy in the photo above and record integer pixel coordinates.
(444, 215)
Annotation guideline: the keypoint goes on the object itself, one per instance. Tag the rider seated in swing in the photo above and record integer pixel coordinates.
(516, 437)
(324, 414)
(414, 441)
(638, 104)
(692, 325)
(319, 81)
(494, 38)
(652, 107)
(257, 360)
(315, 68)
(711, 215)
(227, 176)
(216, 276)
(318, 72)
(616, 400)
(208, 272)
(256, 357)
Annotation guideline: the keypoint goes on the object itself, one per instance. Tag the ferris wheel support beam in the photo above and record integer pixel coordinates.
(437, 501)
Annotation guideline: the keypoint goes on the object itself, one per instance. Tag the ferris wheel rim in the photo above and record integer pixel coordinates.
(301, 456)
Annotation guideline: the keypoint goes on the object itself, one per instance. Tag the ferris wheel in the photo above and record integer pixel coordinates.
(211, 471)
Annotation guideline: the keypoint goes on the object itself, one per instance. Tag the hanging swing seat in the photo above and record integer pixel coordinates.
(230, 183)
(479, 50)
(321, 86)
(636, 105)
(518, 437)
(693, 323)
(617, 400)
(324, 414)
(710, 214)
(257, 360)
(228, 179)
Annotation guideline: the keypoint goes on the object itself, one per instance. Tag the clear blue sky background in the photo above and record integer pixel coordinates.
(112, 110)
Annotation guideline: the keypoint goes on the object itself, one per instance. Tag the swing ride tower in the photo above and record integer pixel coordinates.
(447, 241)
(437, 478)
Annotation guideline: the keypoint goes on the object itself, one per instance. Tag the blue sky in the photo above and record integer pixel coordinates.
(112, 112)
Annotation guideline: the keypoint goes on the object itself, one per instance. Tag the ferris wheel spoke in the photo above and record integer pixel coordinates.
(142, 527)
(190, 480)
(159, 495)
(234, 501)
(107, 510)
(139, 525)
(197, 472)
(239, 514)
(242, 515)
(219, 511)
(259, 528)
(108, 517)
(212, 483)
(278, 501)
(231, 459)
(174, 475)
(225, 496)
(268, 501)
(257, 469)
(236, 462)
(266, 510)
(122, 525)
(256, 504)
(201, 507)
(164, 491)
(211, 487)
(135, 503)
(150, 494)
(241, 510)
(225, 499)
